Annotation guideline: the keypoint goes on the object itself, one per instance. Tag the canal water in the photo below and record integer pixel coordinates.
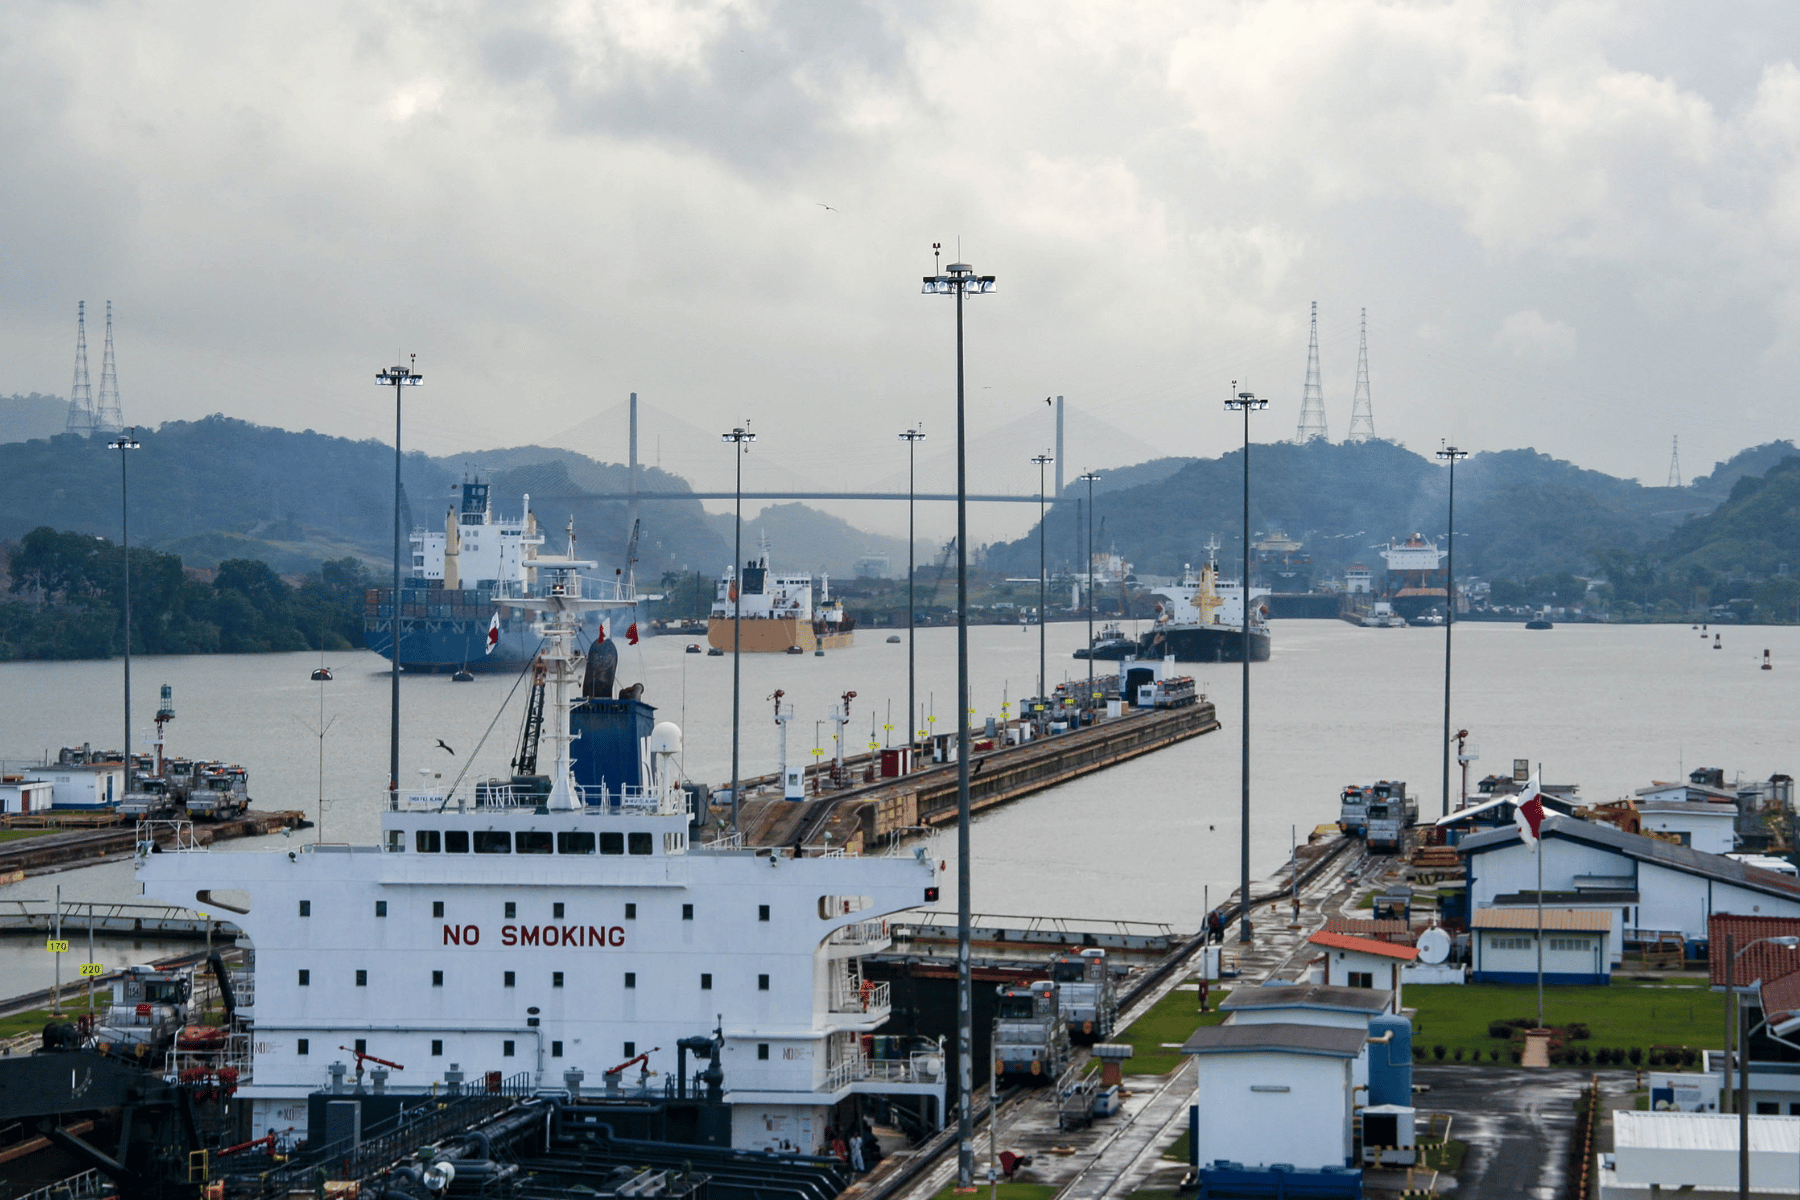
(1607, 707)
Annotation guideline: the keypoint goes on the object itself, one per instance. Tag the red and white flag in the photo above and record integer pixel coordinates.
(493, 634)
(631, 633)
(1528, 811)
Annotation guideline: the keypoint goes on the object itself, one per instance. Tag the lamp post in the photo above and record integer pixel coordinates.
(126, 440)
(912, 437)
(1732, 953)
(1042, 461)
(740, 439)
(396, 377)
(1089, 477)
(1244, 402)
(957, 280)
(1449, 454)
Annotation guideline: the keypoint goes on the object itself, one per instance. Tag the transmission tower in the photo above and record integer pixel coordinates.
(81, 394)
(1312, 401)
(107, 417)
(1675, 463)
(1362, 412)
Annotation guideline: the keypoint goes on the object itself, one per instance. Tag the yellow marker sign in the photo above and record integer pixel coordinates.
(888, 727)
(56, 947)
(93, 969)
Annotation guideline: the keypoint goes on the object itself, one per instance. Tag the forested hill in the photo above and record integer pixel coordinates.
(219, 489)
(1519, 513)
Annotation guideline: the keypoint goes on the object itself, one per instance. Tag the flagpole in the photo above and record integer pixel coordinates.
(1540, 921)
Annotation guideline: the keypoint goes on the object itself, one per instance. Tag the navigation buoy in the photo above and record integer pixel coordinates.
(1717, 645)
(1767, 665)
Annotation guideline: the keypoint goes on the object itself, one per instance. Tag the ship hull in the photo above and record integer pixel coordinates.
(773, 635)
(1203, 643)
(429, 644)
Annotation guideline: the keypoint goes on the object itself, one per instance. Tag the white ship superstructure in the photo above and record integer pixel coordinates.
(566, 922)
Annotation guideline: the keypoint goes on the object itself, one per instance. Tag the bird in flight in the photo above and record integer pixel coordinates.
(441, 746)
(826, 206)
(1048, 400)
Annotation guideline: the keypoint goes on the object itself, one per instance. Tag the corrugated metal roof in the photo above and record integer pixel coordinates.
(1312, 995)
(1277, 1037)
(1702, 1131)
(1756, 959)
(1343, 941)
(1580, 920)
(1643, 849)
(1365, 927)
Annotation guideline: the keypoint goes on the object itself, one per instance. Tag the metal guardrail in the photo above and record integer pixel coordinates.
(90, 1183)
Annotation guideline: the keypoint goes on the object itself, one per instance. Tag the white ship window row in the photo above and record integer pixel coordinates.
(829, 908)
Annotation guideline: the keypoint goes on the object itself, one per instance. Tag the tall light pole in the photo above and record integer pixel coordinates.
(912, 437)
(1042, 461)
(126, 441)
(1245, 402)
(396, 377)
(1449, 454)
(740, 438)
(957, 280)
(1089, 477)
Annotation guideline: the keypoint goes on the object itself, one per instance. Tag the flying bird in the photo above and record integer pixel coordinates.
(1049, 401)
(441, 746)
(826, 206)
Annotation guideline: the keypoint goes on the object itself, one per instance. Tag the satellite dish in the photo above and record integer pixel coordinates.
(1434, 946)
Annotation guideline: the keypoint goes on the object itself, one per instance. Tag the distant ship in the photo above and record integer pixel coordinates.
(1416, 575)
(1200, 620)
(777, 612)
(461, 581)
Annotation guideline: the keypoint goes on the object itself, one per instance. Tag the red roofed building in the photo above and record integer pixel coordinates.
(1360, 962)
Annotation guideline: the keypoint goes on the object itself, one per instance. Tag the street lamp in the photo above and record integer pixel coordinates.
(740, 439)
(396, 377)
(912, 437)
(1449, 454)
(1245, 402)
(1089, 477)
(959, 279)
(1732, 954)
(126, 440)
(1042, 460)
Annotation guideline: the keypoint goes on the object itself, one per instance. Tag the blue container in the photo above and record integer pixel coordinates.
(1391, 1063)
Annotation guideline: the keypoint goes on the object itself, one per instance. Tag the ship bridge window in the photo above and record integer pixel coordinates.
(639, 843)
(428, 841)
(456, 841)
(534, 841)
(612, 843)
(493, 841)
(575, 843)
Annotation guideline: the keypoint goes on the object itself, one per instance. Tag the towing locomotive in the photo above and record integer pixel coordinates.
(1090, 1006)
(1031, 1035)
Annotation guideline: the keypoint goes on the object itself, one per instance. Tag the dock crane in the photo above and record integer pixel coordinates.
(525, 761)
(943, 563)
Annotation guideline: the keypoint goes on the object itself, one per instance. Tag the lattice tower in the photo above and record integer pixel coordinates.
(1312, 400)
(1362, 411)
(81, 393)
(107, 417)
(1675, 463)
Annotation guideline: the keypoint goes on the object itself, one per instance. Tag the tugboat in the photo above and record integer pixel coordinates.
(1539, 622)
(321, 675)
(1110, 643)
(558, 920)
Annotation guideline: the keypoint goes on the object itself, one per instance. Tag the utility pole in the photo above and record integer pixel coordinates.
(1246, 402)
(126, 441)
(396, 377)
(1042, 461)
(1449, 454)
(740, 439)
(912, 437)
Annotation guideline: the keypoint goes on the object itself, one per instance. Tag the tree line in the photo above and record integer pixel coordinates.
(65, 600)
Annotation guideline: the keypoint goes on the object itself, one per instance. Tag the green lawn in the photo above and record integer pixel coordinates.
(1008, 1191)
(1170, 1019)
(13, 835)
(1624, 1015)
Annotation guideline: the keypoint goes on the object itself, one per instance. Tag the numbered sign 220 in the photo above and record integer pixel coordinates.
(93, 970)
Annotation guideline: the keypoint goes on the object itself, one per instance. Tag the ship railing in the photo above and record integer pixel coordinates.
(851, 995)
(90, 1183)
(725, 841)
(927, 1067)
(180, 836)
(862, 933)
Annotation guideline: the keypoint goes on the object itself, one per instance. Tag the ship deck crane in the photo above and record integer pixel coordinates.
(362, 1055)
(943, 564)
(525, 761)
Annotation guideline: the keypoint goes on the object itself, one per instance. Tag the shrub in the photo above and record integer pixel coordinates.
(1516, 1056)
(1577, 1032)
(1500, 1029)
(1418, 1054)
(1584, 1055)
(1689, 1056)
(1636, 1055)
(1459, 1054)
(1437, 1052)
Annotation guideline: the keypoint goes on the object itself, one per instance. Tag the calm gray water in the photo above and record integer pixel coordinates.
(1609, 708)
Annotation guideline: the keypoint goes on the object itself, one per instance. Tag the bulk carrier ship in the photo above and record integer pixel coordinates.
(1198, 620)
(776, 612)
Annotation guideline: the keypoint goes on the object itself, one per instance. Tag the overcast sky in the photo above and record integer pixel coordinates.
(1574, 226)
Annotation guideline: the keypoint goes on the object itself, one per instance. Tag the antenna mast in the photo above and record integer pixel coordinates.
(1312, 400)
(1675, 463)
(107, 417)
(1362, 411)
(81, 393)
